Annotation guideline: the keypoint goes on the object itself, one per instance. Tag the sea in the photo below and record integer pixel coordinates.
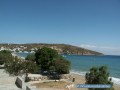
(80, 64)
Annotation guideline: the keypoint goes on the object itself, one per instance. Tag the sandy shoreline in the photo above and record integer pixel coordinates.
(79, 79)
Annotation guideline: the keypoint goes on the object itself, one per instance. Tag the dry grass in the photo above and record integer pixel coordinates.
(53, 84)
(61, 85)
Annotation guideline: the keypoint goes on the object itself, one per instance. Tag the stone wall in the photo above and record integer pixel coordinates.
(24, 86)
(28, 88)
(19, 82)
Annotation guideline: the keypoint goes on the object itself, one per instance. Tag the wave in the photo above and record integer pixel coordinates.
(115, 80)
(78, 72)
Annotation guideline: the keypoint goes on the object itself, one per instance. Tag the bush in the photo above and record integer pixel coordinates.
(62, 66)
(13, 66)
(30, 57)
(99, 75)
(4, 56)
(29, 67)
(17, 66)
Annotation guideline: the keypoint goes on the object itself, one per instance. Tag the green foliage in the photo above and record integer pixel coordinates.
(45, 56)
(16, 66)
(62, 66)
(4, 56)
(98, 75)
(30, 57)
(49, 60)
(13, 66)
(29, 67)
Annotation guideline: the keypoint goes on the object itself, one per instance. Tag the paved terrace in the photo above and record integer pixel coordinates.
(7, 82)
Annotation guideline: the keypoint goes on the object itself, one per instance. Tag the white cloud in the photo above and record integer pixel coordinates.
(88, 46)
(103, 49)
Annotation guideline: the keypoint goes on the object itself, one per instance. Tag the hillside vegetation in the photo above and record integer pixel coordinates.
(61, 48)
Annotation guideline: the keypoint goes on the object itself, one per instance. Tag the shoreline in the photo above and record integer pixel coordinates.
(115, 80)
(79, 79)
(116, 86)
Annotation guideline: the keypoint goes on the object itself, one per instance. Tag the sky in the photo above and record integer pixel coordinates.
(92, 24)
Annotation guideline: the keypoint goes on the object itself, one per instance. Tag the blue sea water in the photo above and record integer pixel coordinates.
(81, 64)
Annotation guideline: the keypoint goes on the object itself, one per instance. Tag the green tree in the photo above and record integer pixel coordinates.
(30, 57)
(17, 66)
(49, 60)
(4, 56)
(99, 75)
(13, 66)
(62, 66)
(29, 67)
(44, 57)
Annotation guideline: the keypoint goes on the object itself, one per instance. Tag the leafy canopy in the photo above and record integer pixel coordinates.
(49, 60)
(17, 66)
(30, 57)
(99, 75)
(4, 56)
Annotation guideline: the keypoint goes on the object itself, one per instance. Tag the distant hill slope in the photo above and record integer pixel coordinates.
(61, 48)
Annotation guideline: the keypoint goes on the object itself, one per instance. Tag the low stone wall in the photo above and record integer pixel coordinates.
(24, 86)
(28, 88)
(37, 77)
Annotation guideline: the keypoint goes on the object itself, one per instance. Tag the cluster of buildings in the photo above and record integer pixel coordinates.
(18, 49)
(26, 50)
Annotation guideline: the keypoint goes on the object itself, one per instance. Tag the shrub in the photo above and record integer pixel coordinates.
(4, 56)
(30, 57)
(99, 75)
(13, 66)
(29, 67)
(17, 66)
(62, 66)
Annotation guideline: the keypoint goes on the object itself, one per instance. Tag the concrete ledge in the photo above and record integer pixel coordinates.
(28, 88)
(31, 88)
(19, 82)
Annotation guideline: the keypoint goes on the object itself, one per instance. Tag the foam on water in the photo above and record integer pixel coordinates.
(78, 72)
(116, 80)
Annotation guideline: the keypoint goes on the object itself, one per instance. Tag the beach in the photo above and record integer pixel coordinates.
(6, 80)
(79, 79)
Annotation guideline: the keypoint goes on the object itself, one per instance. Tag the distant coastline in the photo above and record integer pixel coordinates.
(60, 48)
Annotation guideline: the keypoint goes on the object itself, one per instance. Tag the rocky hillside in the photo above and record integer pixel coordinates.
(61, 48)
